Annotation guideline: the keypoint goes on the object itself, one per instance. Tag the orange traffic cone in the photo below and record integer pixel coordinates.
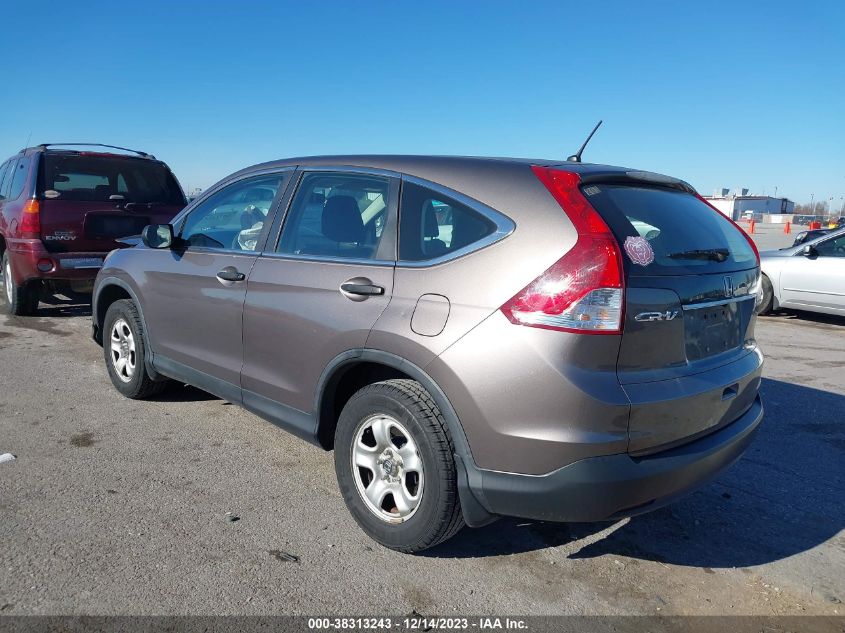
(751, 224)
(787, 228)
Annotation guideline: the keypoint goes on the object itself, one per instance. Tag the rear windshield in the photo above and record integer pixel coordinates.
(103, 178)
(685, 235)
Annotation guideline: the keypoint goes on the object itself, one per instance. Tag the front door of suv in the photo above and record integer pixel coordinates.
(194, 294)
(318, 289)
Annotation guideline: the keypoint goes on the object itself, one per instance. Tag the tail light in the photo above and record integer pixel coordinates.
(30, 225)
(583, 291)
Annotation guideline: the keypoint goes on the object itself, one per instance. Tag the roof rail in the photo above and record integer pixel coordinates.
(125, 149)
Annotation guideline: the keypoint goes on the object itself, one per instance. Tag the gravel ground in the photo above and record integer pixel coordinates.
(122, 507)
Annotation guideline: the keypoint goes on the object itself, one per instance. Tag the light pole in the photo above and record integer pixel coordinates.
(812, 205)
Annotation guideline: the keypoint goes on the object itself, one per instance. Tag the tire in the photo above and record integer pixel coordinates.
(123, 340)
(768, 296)
(19, 300)
(406, 414)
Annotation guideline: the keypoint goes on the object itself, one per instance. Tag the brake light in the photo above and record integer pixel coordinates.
(30, 226)
(738, 228)
(583, 291)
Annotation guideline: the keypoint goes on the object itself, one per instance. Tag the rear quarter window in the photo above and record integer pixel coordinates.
(19, 177)
(432, 225)
(5, 178)
(675, 224)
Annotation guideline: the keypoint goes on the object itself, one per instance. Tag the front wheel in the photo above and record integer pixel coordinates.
(395, 466)
(125, 349)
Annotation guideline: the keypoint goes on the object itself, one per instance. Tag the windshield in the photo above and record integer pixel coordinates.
(685, 235)
(108, 178)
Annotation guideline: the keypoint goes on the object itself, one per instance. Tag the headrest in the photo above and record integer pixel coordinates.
(342, 220)
(430, 227)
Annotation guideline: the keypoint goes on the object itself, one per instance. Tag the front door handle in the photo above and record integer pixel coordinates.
(361, 289)
(230, 273)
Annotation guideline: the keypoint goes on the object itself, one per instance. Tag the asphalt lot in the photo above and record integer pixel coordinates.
(120, 507)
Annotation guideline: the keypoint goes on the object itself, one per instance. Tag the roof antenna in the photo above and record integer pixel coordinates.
(576, 158)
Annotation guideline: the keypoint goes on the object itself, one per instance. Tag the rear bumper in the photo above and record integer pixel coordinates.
(24, 256)
(615, 486)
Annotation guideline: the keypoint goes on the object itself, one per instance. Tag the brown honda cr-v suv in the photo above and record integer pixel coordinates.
(473, 337)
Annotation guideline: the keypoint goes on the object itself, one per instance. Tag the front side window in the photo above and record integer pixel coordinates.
(432, 225)
(234, 217)
(336, 215)
(832, 248)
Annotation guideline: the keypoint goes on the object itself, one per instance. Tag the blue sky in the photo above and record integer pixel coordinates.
(720, 94)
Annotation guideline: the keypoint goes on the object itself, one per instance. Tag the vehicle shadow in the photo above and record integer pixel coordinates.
(782, 498)
(67, 304)
(801, 315)
(178, 392)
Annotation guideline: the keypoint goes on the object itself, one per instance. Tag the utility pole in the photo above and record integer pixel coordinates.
(812, 204)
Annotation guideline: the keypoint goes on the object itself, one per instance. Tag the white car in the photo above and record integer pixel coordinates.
(810, 276)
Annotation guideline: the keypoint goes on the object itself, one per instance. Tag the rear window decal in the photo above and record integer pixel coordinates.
(638, 250)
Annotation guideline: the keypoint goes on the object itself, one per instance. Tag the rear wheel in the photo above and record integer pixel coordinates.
(20, 300)
(125, 349)
(768, 296)
(395, 466)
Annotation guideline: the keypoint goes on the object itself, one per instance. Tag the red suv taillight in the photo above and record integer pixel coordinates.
(30, 226)
(583, 291)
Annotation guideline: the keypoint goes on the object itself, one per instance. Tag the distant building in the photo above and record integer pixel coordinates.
(738, 206)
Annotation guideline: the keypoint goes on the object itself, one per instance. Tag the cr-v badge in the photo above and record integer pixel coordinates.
(656, 316)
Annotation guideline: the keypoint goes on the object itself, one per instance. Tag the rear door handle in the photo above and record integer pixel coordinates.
(230, 273)
(361, 289)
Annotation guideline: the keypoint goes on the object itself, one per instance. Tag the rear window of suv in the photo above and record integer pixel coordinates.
(686, 235)
(102, 178)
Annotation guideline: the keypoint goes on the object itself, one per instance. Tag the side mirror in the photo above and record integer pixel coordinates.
(809, 251)
(158, 236)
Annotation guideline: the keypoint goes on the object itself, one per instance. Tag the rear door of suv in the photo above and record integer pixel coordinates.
(319, 287)
(687, 359)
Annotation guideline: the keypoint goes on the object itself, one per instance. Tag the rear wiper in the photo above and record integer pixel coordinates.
(716, 254)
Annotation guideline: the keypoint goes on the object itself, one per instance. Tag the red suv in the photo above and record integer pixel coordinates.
(63, 210)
